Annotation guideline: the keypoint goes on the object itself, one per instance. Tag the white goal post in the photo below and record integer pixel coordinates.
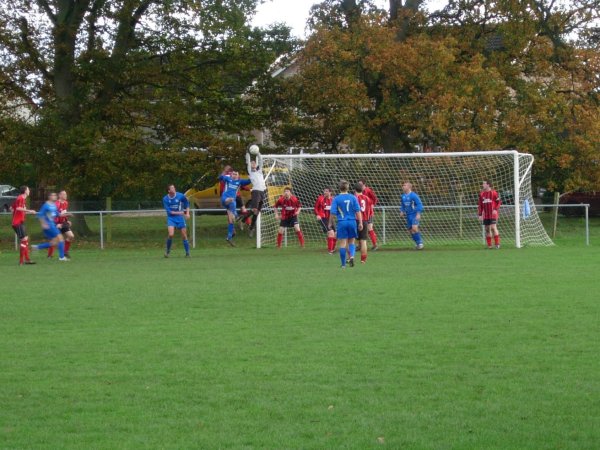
(447, 183)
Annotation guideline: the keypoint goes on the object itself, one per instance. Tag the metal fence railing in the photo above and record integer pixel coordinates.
(104, 221)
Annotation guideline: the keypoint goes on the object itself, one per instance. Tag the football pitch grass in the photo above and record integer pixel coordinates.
(240, 348)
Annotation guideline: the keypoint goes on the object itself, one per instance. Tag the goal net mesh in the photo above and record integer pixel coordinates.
(448, 185)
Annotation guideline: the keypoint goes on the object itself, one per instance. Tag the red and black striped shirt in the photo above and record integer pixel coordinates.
(489, 201)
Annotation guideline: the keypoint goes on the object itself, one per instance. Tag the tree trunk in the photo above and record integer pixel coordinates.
(393, 139)
(78, 222)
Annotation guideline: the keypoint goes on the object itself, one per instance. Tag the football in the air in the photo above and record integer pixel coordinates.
(254, 150)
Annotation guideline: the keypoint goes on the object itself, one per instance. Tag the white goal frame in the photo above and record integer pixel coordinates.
(522, 168)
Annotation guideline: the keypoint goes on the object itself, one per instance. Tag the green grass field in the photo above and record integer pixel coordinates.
(244, 348)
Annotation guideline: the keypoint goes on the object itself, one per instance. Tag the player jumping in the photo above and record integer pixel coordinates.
(290, 208)
(258, 188)
(19, 209)
(411, 206)
(322, 211)
(488, 209)
(178, 210)
(243, 216)
(349, 219)
(231, 188)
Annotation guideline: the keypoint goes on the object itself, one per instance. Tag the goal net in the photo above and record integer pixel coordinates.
(447, 183)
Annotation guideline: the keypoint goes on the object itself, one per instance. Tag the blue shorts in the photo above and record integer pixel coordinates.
(347, 230)
(51, 233)
(412, 221)
(177, 222)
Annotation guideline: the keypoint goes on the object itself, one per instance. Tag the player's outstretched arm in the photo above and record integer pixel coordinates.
(248, 162)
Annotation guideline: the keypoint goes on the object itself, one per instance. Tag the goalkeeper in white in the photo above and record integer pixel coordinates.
(259, 187)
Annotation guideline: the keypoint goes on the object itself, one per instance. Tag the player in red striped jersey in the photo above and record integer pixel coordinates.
(488, 211)
(63, 223)
(322, 211)
(19, 209)
(373, 198)
(366, 208)
(290, 208)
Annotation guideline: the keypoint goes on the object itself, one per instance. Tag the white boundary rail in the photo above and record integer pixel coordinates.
(384, 210)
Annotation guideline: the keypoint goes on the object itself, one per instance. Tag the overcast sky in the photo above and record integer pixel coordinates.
(295, 12)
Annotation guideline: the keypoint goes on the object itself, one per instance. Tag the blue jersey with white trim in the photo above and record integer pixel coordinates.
(232, 186)
(174, 204)
(411, 204)
(345, 206)
(48, 212)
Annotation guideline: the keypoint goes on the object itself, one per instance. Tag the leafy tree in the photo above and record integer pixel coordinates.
(476, 75)
(128, 95)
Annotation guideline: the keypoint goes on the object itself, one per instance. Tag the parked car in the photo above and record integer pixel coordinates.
(8, 194)
(577, 198)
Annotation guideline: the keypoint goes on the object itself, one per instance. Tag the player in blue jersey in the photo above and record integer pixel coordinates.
(47, 213)
(345, 207)
(232, 186)
(411, 206)
(178, 209)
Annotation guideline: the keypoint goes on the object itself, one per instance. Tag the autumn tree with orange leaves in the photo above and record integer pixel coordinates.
(475, 75)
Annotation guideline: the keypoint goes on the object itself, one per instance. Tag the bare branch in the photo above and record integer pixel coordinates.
(92, 19)
(18, 91)
(46, 7)
(31, 50)
(126, 29)
(128, 19)
(140, 11)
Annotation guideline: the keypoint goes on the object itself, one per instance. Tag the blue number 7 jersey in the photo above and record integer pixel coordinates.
(345, 206)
